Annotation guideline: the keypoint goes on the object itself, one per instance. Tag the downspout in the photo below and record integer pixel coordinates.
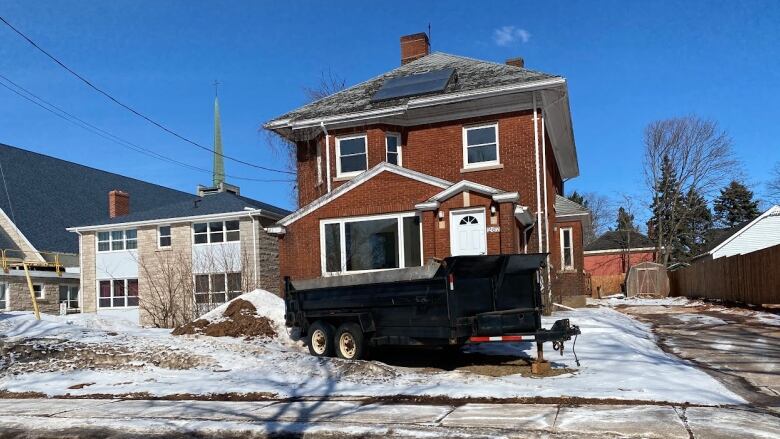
(525, 238)
(538, 186)
(254, 250)
(546, 214)
(327, 153)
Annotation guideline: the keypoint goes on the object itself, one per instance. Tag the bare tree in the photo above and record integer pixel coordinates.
(288, 150)
(168, 299)
(701, 156)
(773, 186)
(599, 207)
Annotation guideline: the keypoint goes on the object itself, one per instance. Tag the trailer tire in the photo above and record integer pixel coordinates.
(349, 341)
(321, 339)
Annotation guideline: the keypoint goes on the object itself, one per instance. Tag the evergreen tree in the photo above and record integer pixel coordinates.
(666, 209)
(735, 205)
(697, 222)
(578, 198)
(625, 221)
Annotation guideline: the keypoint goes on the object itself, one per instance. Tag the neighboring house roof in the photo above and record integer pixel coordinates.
(6, 242)
(212, 204)
(471, 74)
(615, 240)
(49, 194)
(760, 233)
(567, 207)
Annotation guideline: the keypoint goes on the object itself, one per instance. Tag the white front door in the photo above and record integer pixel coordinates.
(467, 232)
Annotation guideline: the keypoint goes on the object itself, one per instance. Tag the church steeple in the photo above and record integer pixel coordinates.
(218, 175)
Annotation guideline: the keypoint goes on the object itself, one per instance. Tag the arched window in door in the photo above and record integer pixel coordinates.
(468, 219)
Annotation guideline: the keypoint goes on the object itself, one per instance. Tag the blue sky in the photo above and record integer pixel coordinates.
(627, 63)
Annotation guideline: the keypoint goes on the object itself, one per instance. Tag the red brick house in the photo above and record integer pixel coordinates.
(608, 258)
(444, 155)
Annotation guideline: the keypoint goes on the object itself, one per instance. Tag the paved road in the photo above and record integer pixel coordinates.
(739, 349)
(34, 418)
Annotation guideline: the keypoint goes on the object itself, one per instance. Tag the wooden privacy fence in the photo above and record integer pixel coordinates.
(752, 278)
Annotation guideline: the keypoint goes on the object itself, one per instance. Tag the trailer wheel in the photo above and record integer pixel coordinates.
(321, 339)
(350, 344)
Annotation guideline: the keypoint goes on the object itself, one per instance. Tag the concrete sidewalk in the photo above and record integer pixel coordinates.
(357, 418)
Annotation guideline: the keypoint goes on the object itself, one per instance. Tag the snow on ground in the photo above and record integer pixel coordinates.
(641, 301)
(619, 359)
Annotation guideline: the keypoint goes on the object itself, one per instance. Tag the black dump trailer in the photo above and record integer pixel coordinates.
(451, 302)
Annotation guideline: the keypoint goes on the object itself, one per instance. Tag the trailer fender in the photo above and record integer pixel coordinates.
(366, 322)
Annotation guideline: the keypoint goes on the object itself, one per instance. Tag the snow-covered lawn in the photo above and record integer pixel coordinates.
(88, 354)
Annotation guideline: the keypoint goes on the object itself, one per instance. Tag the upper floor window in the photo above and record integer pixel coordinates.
(164, 236)
(352, 155)
(117, 240)
(215, 232)
(567, 249)
(393, 144)
(480, 146)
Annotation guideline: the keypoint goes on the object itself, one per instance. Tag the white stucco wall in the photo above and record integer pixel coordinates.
(117, 264)
(215, 258)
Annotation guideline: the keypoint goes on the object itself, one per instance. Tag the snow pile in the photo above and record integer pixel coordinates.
(640, 301)
(255, 314)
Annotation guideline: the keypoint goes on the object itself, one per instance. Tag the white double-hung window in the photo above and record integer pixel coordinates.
(480, 146)
(215, 232)
(567, 249)
(352, 156)
(371, 243)
(393, 147)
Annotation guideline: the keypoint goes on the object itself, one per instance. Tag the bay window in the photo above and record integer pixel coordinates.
(480, 146)
(352, 158)
(371, 243)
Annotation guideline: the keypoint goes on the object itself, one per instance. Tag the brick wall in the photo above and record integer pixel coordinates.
(569, 282)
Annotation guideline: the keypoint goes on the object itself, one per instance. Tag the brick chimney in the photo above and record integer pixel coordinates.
(118, 203)
(414, 47)
(517, 62)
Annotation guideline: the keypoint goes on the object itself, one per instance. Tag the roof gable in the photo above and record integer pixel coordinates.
(742, 228)
(357, 181)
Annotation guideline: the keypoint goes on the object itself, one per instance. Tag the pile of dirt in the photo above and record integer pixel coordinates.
(239, 319)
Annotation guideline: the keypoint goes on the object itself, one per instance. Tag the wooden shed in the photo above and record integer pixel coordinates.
(647, 279)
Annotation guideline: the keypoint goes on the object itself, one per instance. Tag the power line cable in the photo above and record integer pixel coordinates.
(131, 109)
(48, 106)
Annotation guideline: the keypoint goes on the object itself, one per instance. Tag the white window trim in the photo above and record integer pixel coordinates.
(97, 299)
(340, 174)
(466, 164)
(111, 240)
(468, 210)
(43, 291)
(343, 243)
(7, 297)
(166, 247)
(211, 291)
(399, 149)
(208, 232)
(318, 160)
(565, 267)
(78, 296)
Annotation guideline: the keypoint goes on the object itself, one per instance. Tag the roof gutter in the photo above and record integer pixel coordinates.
(227, 215)
(417, 103)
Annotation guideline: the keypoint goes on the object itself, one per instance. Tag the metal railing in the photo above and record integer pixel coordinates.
(14, 258)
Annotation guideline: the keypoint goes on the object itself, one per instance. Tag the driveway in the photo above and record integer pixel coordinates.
(739, 347)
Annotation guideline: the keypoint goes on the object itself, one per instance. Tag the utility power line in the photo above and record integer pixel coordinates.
(131, 109)
(75, 120)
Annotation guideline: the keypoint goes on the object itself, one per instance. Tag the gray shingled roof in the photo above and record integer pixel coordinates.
(223, 202)
(49, 195)
(6, 242)
(565, 206)
(471, 74)
(614, 240)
